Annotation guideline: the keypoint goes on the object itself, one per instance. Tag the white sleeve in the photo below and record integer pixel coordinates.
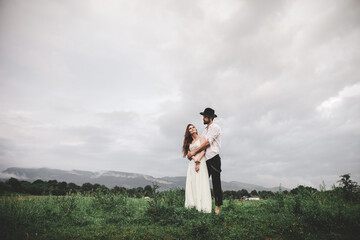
(213, 134)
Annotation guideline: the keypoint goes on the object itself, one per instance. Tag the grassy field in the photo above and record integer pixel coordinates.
(319, 215)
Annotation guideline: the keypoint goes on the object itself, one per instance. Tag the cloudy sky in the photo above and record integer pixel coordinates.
(111, 85)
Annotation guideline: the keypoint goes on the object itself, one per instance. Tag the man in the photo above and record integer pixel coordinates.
(212, 134)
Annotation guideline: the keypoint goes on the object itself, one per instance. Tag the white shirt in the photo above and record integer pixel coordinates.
(212, 133)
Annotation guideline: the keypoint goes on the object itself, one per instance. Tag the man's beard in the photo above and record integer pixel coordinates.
(206, 122)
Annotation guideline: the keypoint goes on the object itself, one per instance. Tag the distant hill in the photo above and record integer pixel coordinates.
(114, 178)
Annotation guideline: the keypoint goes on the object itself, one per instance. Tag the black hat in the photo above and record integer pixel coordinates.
(209, 112)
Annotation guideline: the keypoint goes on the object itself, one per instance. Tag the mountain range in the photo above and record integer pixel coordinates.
(114, 178)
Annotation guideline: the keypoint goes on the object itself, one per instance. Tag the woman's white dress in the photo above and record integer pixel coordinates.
(197, 190)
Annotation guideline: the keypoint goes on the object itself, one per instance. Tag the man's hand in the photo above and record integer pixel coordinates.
(197, 160)
(197, 167)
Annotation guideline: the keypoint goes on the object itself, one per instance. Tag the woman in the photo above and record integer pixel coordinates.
(197, 190)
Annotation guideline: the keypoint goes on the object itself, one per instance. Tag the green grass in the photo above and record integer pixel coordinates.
(321, 215)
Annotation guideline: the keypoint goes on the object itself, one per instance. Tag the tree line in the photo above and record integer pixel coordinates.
(53, 187)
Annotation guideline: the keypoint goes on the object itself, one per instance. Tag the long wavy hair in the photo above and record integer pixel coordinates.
(187, 140)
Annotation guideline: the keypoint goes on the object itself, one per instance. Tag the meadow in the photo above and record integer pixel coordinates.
(306, 215)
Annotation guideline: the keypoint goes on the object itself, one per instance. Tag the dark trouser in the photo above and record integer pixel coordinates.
(214, 169)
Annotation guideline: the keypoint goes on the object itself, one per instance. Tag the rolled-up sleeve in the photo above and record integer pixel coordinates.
(213, 133)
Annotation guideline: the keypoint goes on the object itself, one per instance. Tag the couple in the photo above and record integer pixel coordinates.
(203, 153)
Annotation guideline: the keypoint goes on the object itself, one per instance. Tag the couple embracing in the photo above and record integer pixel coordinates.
(203, 153)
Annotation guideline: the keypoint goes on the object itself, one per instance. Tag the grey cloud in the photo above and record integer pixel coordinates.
(7, 148)
(113, 85)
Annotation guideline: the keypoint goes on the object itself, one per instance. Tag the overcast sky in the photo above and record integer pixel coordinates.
(111, 85)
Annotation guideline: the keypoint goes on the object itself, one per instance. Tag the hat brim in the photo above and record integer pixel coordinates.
(202, 113)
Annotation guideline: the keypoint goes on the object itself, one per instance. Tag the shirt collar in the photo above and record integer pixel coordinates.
(208, 126)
